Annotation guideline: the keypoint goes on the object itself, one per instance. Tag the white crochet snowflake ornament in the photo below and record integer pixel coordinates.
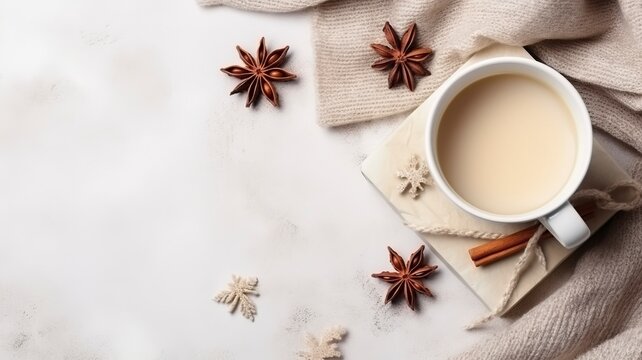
(415, 175)
(237, 293)
(325, 347)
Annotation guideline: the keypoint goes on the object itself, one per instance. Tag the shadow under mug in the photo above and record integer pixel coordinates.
(557, 215)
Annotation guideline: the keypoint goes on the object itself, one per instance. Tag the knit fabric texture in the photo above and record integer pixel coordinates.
(597, 314)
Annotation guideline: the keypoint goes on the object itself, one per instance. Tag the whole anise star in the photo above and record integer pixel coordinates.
(408, 276)
(259, 73)
(403, 61)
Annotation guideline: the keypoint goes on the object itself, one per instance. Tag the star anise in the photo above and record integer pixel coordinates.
(403, 61)
(408, 276)
(259, 73)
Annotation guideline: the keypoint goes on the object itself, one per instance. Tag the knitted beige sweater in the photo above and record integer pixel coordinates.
(598, 45)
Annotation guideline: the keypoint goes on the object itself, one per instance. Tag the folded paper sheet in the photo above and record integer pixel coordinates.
(432, 208)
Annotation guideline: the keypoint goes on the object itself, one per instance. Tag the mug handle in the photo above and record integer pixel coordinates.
(567, 226)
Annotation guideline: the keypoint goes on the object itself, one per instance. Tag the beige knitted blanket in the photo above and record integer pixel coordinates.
(598, 45)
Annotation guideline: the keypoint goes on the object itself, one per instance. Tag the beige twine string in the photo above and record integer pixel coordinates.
(441, 230)
(603, 199)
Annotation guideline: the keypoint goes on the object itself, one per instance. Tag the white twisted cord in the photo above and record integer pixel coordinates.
(441, 230)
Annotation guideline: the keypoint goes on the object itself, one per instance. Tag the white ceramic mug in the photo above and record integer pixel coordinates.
(557, 215)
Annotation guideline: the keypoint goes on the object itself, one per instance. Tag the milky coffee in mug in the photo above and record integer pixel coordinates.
(506, 143)
(510, 140)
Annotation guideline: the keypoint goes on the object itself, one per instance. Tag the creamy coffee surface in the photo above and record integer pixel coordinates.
(506, 144)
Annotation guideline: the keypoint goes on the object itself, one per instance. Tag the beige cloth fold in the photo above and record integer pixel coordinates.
(597, 44)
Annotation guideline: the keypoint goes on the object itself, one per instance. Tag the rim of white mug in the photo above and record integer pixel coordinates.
(540, 72)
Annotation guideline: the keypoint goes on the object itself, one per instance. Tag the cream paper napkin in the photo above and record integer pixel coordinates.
(432, 208)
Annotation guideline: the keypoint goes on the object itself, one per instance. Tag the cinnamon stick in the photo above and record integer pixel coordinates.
(500, 255)
(501, 248)
(501, 244)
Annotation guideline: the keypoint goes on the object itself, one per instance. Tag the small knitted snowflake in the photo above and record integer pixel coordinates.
(415, 175)
(325, 347)
(237, 295)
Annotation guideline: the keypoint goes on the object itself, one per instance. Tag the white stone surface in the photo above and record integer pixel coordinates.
(132, 188)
